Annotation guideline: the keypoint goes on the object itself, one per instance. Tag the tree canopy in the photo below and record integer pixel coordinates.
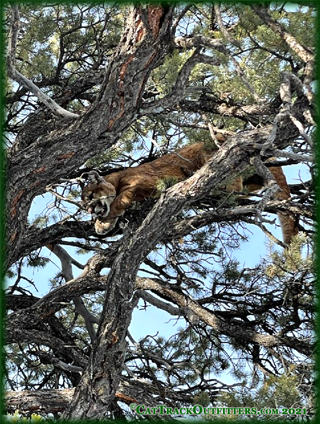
(108, 87)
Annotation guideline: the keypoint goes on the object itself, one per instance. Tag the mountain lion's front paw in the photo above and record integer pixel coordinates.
(104, 226)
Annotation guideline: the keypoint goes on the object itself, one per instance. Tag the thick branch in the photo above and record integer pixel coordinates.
(48, 401)
(55, 300)
(247, 113)
(45, 401)
(117, 308)
(199, 41)
(53, 156)
(229, 328)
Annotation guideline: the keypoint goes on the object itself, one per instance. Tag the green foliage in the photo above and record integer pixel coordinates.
(202, 399)
(61, 44)
(103, 158)
(17, 418)
(165, 75)
(165, 183)
(275, 392)
(10, 273)
(291, 259)
(35, 261)
(117, 153)
(40, 221)
(74, 194)
(197, 135)
(44, 27)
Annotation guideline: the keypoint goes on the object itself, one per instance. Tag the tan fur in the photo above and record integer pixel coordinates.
(139, 183)
(98, 196)
(288, 222)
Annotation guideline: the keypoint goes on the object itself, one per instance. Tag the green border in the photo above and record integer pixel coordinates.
(2, 211)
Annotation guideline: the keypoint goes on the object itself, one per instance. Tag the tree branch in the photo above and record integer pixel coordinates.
(72, 353)
(199, 41)
(229, 328)
(114, 322)
(49, 401)
(292, 42)
(48, 158)
(17, 76)
(66, 264)
(159, 106)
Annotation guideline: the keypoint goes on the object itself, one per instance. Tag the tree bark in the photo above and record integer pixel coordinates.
(47, 401)
(60, 151)
(143, 46)
(95, 394)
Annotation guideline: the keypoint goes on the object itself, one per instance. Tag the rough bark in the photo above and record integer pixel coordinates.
(47, 401)
(54, 156)
(44, 401)
(102, 377)
(47, 149)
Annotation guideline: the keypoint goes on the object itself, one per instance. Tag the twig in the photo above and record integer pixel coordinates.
(49, 189)
(283, 154)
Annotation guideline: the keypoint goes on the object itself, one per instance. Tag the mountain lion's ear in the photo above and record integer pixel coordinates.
(83, 177)
(93, 176)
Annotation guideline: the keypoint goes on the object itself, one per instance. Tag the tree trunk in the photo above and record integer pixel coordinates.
(50, 149)
(143, 46)
(95, 394)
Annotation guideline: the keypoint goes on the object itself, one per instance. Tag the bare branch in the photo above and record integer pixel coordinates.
(50, 189)
(18, 334)
(223, 29)
(256, 310)
(159, 303)
(228, 328)
(66, 261)
(199, 41)
(211, 130)
(17, 76)
(294, 156)
(49, 401)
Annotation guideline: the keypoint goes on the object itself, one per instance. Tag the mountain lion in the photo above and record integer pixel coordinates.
(108, 197)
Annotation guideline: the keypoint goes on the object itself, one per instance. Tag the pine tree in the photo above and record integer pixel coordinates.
(114, 86)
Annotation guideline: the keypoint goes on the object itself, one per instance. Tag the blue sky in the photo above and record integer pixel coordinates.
(153, 320)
